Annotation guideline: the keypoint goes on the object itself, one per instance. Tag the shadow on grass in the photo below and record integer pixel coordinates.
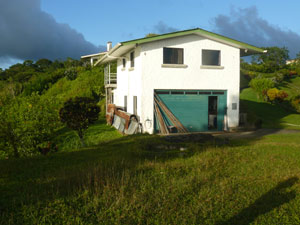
(273, 119)
(270, 114)
(42, 178)
(67, 139)
(274, 198)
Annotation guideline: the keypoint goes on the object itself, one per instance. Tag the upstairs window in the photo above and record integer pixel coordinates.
(173, 56)
(124, 63)
(211, 57)
(132, 59)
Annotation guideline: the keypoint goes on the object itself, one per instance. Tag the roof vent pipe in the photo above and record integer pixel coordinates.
(109, 46)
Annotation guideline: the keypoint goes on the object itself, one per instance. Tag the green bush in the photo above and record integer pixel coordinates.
(275, 95)
(295, 102)
(78, 113)
(278, 77)
(26, 124)
(272, 94)
(261, 86)
(71, 73)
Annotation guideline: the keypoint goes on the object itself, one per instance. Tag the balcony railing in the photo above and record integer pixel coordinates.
(110, 79)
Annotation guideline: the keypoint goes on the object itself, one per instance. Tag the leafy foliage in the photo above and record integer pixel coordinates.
(261, 86)
(71, 73)
(274, 59)
(276, 95)
(27, 123)
(78, 113)
(295, 102)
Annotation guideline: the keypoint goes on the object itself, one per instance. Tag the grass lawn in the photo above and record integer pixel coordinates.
(67, 139)
(292, 86)
(130, 181)
(273, 116)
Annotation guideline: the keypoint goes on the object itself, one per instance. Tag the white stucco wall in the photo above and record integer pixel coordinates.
(129, 82)
(149, 75)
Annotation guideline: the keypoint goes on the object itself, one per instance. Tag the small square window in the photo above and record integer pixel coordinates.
(211, 58)
(132, 59)
(173, 56)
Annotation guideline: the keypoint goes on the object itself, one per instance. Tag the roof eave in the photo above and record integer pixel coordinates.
(93, 55)
(108, 53)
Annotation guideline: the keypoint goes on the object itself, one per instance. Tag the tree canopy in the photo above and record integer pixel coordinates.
(274, 59)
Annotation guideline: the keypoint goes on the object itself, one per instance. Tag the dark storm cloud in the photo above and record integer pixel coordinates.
(162, 28)
(26, 32)
(246, 25)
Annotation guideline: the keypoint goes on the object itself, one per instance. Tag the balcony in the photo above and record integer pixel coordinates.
(110, 79)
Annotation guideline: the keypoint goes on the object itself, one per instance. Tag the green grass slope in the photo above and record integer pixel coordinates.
(291, 86)
(272, 115)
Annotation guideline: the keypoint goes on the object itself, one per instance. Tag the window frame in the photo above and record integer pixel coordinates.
(123, 63)
(125, 103)
(134, 105)
(211, 50)
(172, 60)
(132, 59)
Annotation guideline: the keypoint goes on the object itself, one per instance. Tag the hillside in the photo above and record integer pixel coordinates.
(271, 115)
(27, 88)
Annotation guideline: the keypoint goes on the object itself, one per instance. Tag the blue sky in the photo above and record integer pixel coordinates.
(55, 29)
(101, 21)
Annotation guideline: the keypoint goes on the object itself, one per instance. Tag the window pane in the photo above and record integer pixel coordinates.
(132, 59)
(177, 92)
(191, 92)
(135, 105)
(173, 56)
(211, 57)
(125, 103)
(162, 92)
(218, 93)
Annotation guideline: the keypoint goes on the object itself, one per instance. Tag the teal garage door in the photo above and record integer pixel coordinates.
(191, 108)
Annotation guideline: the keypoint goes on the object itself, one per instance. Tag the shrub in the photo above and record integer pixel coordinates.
(78, 113)
(282, 95)
(292, 73)
(274, 95)
(28, 123)
(71, 73)
(278, 78)
(295, 102)
(261, 86)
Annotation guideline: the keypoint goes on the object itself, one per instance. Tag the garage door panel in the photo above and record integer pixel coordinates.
(192, 109)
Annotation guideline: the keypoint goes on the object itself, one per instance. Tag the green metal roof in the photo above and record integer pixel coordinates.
(200, 32)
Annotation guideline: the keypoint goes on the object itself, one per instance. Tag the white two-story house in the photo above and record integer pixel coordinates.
(187, 81)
